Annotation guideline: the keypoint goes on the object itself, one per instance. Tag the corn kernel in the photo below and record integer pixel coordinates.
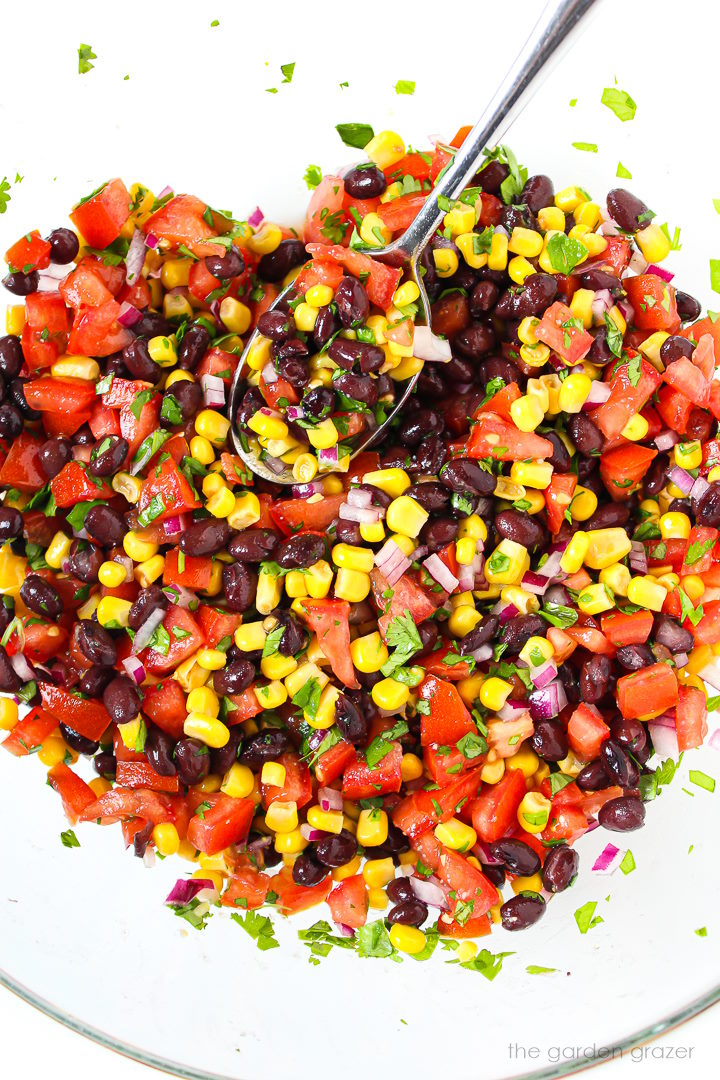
(238, 781)
(616, 577)
(76, 367)
(373, 231)
(471, 247)
(272, 695)
(112, 612)
(319, 579)
(392, 481)
(474, 527)
(328, 820)
(58, 551)
(568, 200)
(281, 816)
(368, 653)
(519, 268)
(694, 586)
(385, 149)
(459, 219)
(138, 549)
(456, 835)
(536, 651)
(372, 532)
(574, 554)
(446, 262)
(507, 564)
(353, 558)
(584, 504)
(551, 219)
(533, 812)
(211, 659)
(111, 574)
(15, 318)
(162, 350)
(9, 714)
(596, 598)
(532, 474)
(493, 771)
(214, 427)
(526, 760)
(372, 827)
(688, 455)
(574, 392)
(166, 839)
(390, 695)
(352, 585)
(653, 243)
(675, 526)
(266, 240)
(462, 620)
(531, 883)
(411, 767)
(234, 315)
(607, 546)
(636, 428)
(407, 939)
(273, 773)
(646, 593)
(208, 729)
(494, 692)
(581, 306)
(527, 412)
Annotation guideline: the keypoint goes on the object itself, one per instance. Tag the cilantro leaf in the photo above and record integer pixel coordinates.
(313, 176)
(69, 839)
(403, 637)
(4, 196)
(85, 55)
(585, 917)
(564, 254)
(260, 929)
(373, 940)
(405, 86)
(357, 135)
(619, 102)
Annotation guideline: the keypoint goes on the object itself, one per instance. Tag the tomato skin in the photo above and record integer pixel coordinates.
(28, 253)
(494, 812)
(226, 822)
(398, 214)
(329, 620)
(30, 732)
(43, 641)
(173, 488)
(96, 331)
(499, 404)
(565, 823)
(246, 890)
(407, 596)
(217, 362)
(625, 398)
(569, 342)
(76, 795)
(558, 498)
(587, 732)
(448, 719)
(21, 468)
(181, 221)
(297, 787)
(707, 631)
(332, 763)
(216, 624)
(348, 902)
(691, 718)
(100, 218)
(417, 813)
(382, 281)
(590, 638)
(319, 272)
(473, 928)
(625, 463)
(140, 774)
(461, 877)
(121, 804)
(362, 782)
(632, 629)
(699, 535)
(494, 437)
(660, 311)
(72, 485)
(45, 334)
(294, 515)
(648, 692)
(292, 898)
(84, 286)
(327, 199)
(196, 572)
(165, 705)
(674, 408)
(179, 650)
(56, 395)
(686, 378)
(86, 716)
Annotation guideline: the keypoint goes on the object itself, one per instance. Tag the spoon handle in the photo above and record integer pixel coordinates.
(558, 23)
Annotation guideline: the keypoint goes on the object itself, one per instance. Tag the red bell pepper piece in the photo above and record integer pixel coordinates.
(296, 515)
(30, 733)
(405, 595)
(423, 810)
(73, 485)
(140, 774)
(632, 629)
(76, 795)
(558, 497)
(247, 889)
(169, 485)
(59, 395)
(332, 763)
(587, 731)
(448, 719)
(623, 468)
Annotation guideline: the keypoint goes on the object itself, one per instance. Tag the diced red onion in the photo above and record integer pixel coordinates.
(127, 564)
(394, 575)
(608, 860)
(535, 583)
(174, 526)
(543, 675)
(484, 652)
(666, 719)
(134, 669)
(659, 271)
(666, 440)
(714, 739)
(664, 740)
(128, 314)
(418, 553)
(609, 227)
(500, 230)
(22, 668)
(481, 851)
(505, 611)
(681, 659)
(167, 190)
(638, 263)
(186, 889)
(388, 556)
(681, 479)
(181, 597)
(599, 393)
(151, 240)
(269, 373)
(557, 594)
(304, 491)
(135, 258)
(256, 217)
(441, 573)
(328, 459)
(309, 833)
(638, 557)
(259, 844)
(699, 488)
(602, 302)
(468, 573)
(627, 310)
(548, 702)
(47, 284)
(213, 390)
(511, 710)
(359, 497)
(430, 347)
(344, 930)
(330, 798)
(81, 453)
(711, 675)
(551, 567)
(364, 515)
(146, 630)
(429, 893)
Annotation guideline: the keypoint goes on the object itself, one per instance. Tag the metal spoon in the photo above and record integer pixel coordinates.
(558, 22)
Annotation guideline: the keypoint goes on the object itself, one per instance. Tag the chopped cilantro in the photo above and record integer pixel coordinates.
(619, 102)
(356, 135)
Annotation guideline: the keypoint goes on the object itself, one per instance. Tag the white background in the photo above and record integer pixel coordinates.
(194, 114)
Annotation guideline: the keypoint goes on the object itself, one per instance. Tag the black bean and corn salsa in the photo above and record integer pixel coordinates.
(405, 685)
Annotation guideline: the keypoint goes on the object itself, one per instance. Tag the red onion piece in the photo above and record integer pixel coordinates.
(213, 390)
(134, 669)
(22, 668)
(359, 497)
(81, 453)
(681, 479)
(608, 860)
(666, 440)
(627, 310)
(365, 515)
(551, 568)
(330, 798)
(151, 240)
(481, 851)
(184, 890)
(599, 393)
(294, 412)
(505, 611)
(430, 347)
(256, 217)
(664, 740)
(511, 710)
(714, 739)
(418, 553)
(269, 373)
(638, 557)
(666, 719)
(699, 488)
(608, 227)
(558, 594)
(711, 675)
(181, 597)
(602, 302)
(146, 631)
(328, 459)
(388, 556)
(440, 572)
(174, 526)
(308, 833)
(535, 583)
(548, 702)
(484, 652)
(429, 893)
(543, 675)
(659, 271)
(128, 315)
(135, 258)
(397, 572)
(638, 263)
(681, 659)
(304, 491)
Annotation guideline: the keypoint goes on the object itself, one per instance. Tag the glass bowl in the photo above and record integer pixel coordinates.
(84, 933)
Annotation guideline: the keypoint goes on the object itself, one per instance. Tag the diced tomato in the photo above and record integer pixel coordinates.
(319, 272)
(201, 282)
(43, 641)
(587, 731)
(448, 719)
(494, 437)
(666, 553)
(121, 804)
(629, 393)
(565, 823)
(247, 889)
(362, 782)
(73, 485)
(398, 214)
(21, 468)
(226, 821)
(292, 898)
(422, 810)
(406, 596)
(136, 429)
(558, 497)
(707, 631)
(332, 763)
(76, 795)
(348, 902)
(500, 403)
(472, 928)
(463, 879)
(45, 334)
(382, 281)
(165, 705)
(674, 408)
(281, 388)
(623, 468)
(687, 378)
(30, 733)
(616, 255)
(329, 620)
(435, 664)
(632, 629)
(590, 637)
(246, 706)
(326, 202)
(494, 812)
(182, 221)
(217, 625)
(28, 253)
(559, 331)
(691, 717)
(140, 774)
(96, 331)
(703, 326)
(217, 362)
(446, 763)
(701, 544)
(297, 787)
(171, 487)
(65, 424)
(653, 301)
(100, 217)
(190, 639)
(196, 570)
(295, 515)
(103, 421)
(55, 395)
(647, 693)
(85, 715)
(84, 286)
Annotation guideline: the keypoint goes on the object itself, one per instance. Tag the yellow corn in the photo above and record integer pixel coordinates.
(328, 820)
(372, 827)
(688, 455)
(472, 249)
(493, 771)
(533, 812)
(459, 219)
(392, 481)
(245, 512)
(385, 149)
(653, 243)
(526, 760)
(390, 695)
(551, 219)
(446, 262)
(574, 392)
(138, 549)
(675, 526)
(111, 574)
(15, 318)
(282, 816)
(636, 428)
(166, 839)
(494, 692)
(411, 767)
(616, 577)
(646, 593)
(76, 367)
(507, 564)
(532, 474)
(271, 696)
(527, 412)
(269, 592)
(208, 729)
(607, 546)
(519, 268)
(58, 551)
(352, 585)
(694, 586)
(536, 651)
(474, 527)
(525, 242)
(462, 620)
(407, 939)
(584, 504)
(574, 554)
(211, 659)
(214, 427)
(595, 598)
(456, 835)
(201, 449)
(368, 653)
(581, 306)
(112, 612)
(498, 254)
(238, 781)
(9, 714)
(235, 316)
(203, 700)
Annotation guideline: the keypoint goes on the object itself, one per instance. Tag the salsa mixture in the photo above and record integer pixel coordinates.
(407, 685)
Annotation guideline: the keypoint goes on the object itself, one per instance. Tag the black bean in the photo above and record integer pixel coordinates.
(336, 849)
(11, 524)
(54, 455)
(188, 396)
(634, 657)
(437, 534)
(609, 516)
(253, 545)
(64, 246)
(140, 364)
(632, 736)
(95, 680)
(84, 561)
(234, 677)
(350, 720)
(41, 597)
(560, 458)
(522, 528)
(708, 507)
(78, 742)
(483, 298)
(460, 369)
(294, 638)
(84, 436)
(222, 758)
(193, 347)
(122, 699)
(480, 635)
(560, 868)
(620, 768)
(299, 552)
(428, 634)
(347, 354)
(538, 192)
(150, 599)
(491, 176)
(307, 870)
(408, 913)
(265, 746)
(11, 422)
(430, 456)
(465, 477)
(153, 324)
(226, 266)
(431, 495)
(629, 212)
(531, 298)
(622, 815)
(475, 341)
(701, 426)
(319, 401)
(518, 216)
(326, 324)
(205, 537)
(9, 680)
(22, 284)
(277, 325)
(141, 839)
(600, 352)
(159, 748)
(367, 182)
(16, 397)
(240, 585)
(276, 264)
(592, 777)
(108, 455)
(688, 307)
(192, 761)
(668, 631)
(597, 279)
(585, 434)
(104, 764)
(361, 388)
(674, 348)
(348, 532)
(96, 644)
(549, 740)
(521, 911)
(352, 302)
(595, 678)
(11, 356)
(400, 890)
(419, 425)
(516, 855)
(518, 630)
